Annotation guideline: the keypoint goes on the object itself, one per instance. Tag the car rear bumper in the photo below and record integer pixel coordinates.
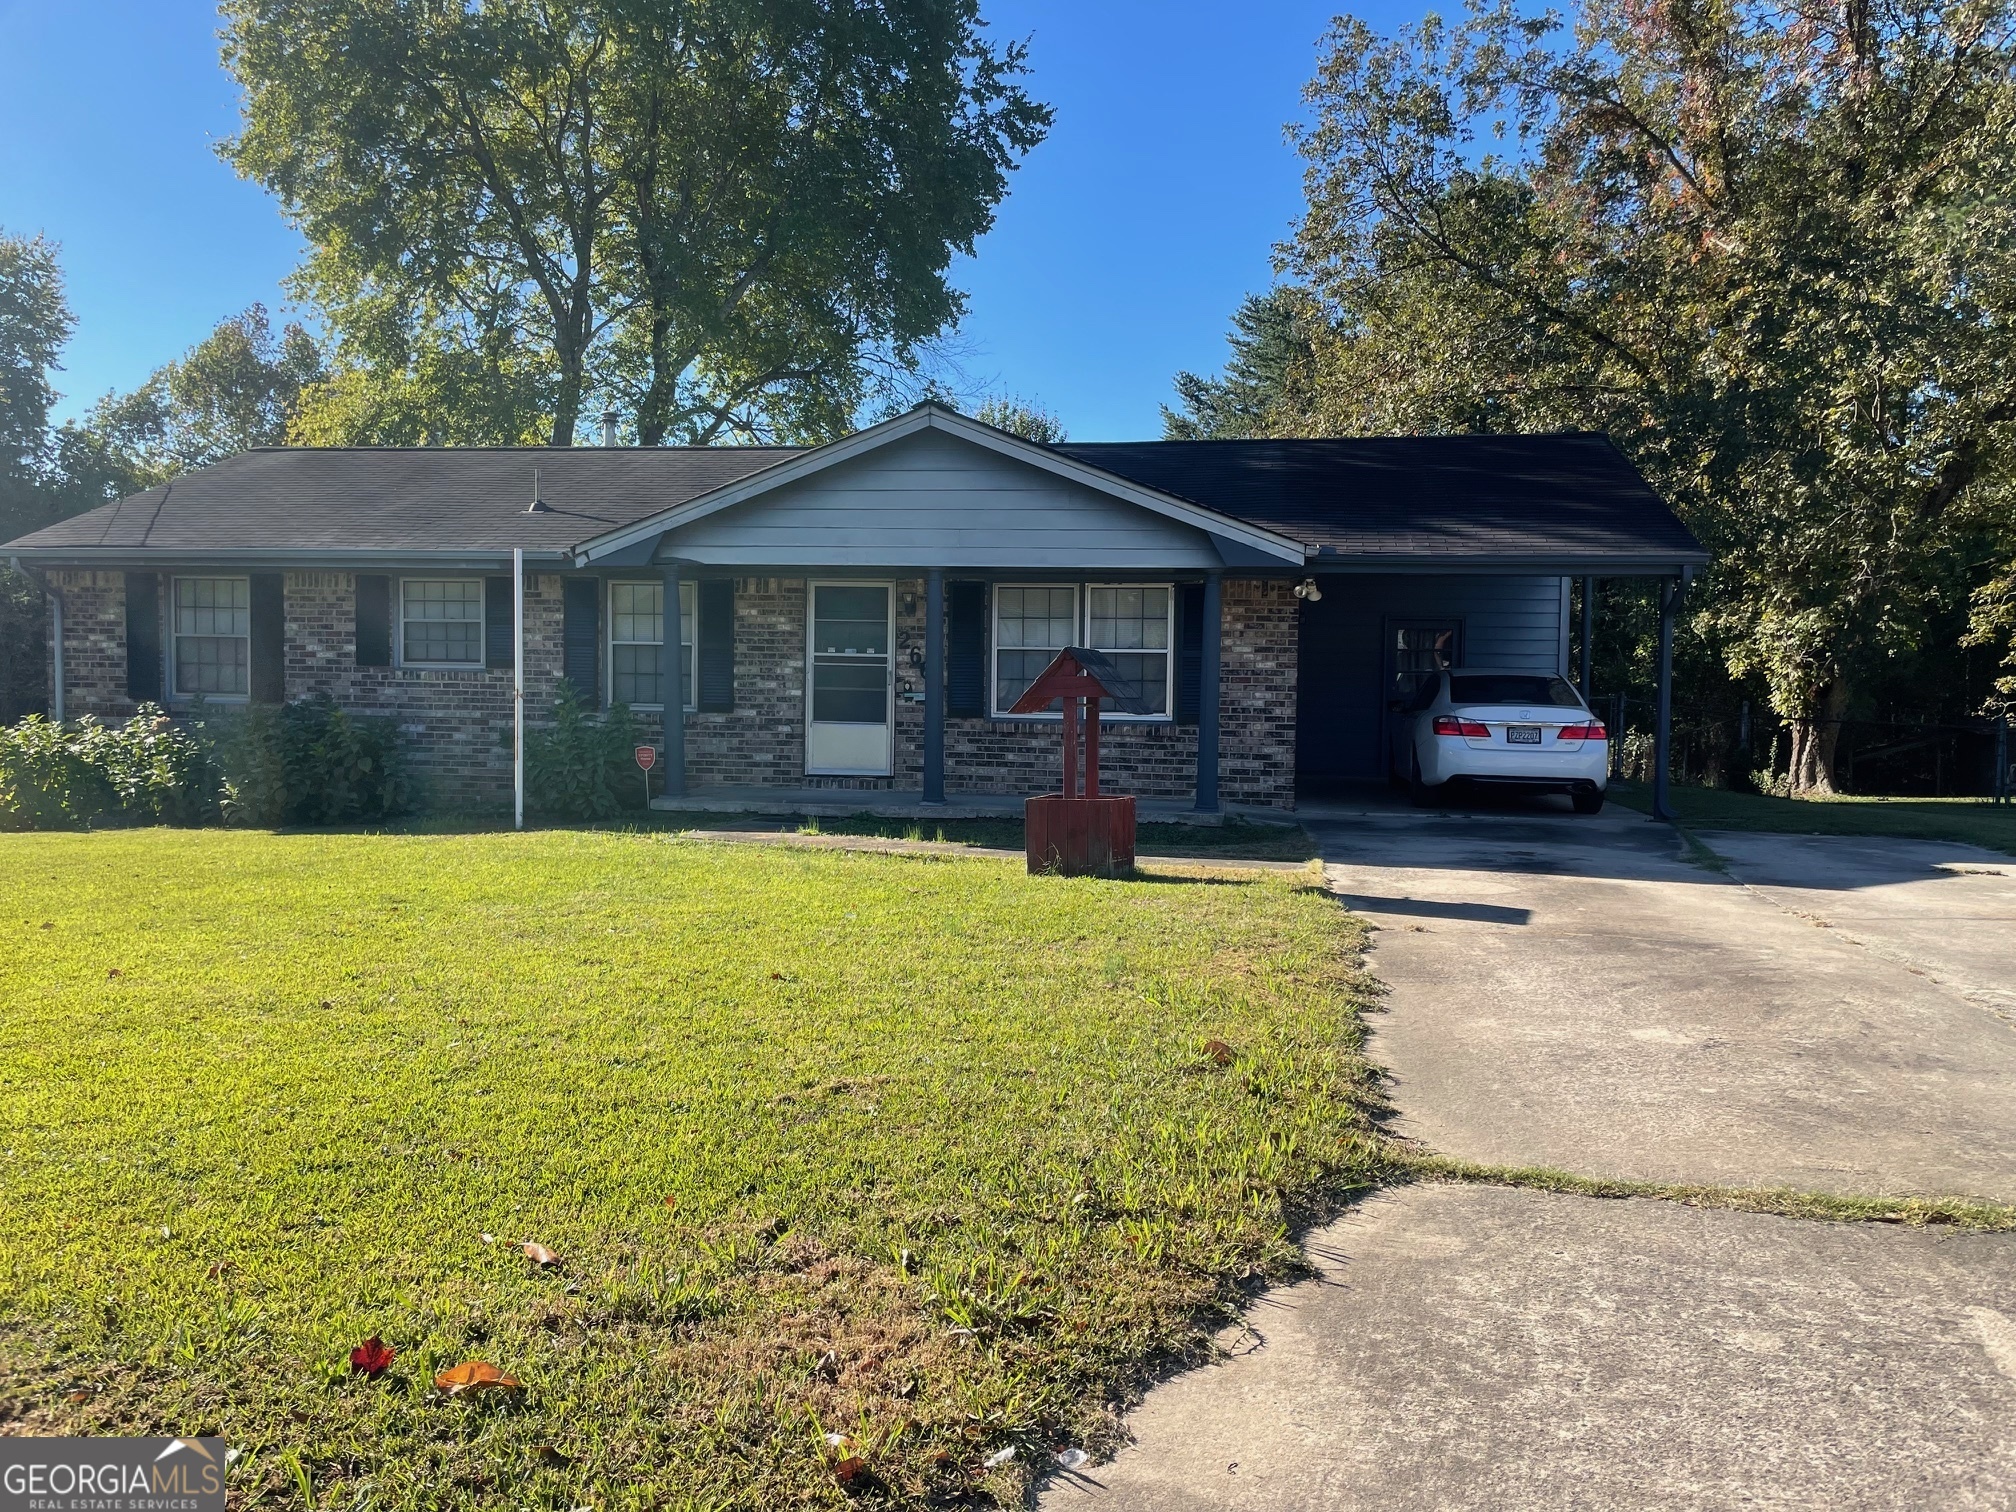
(1555, 770)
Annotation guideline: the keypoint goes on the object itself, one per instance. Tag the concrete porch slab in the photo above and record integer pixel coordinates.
(845, 803)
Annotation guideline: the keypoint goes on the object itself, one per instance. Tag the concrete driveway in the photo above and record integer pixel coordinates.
(1826, 1014)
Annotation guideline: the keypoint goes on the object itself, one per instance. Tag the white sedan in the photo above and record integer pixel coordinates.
(1502, 729)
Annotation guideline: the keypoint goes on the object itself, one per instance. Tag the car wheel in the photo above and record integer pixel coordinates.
(1587, 800)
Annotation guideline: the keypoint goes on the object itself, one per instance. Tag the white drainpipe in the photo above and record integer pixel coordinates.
(518, 687)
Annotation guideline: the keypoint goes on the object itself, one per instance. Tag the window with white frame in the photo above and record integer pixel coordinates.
(441, 622)
(213, 636)
(1135, 627)
(637, 643)
(1031, 625)
(1134, 624)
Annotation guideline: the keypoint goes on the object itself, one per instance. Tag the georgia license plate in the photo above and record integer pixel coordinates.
(1522, 734)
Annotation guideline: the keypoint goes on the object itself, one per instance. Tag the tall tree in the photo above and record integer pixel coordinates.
(236, 389)
(718, 212)
(35, 322)
(1263, 381)
(1770, 250)
(1021, 417)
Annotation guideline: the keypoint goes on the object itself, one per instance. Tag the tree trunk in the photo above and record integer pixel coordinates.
(1815, 739)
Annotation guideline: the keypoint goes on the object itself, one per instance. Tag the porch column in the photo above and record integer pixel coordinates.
(674, 665)
(1662, 740)
(1207, 696)
(1588, 636)
(934, 685)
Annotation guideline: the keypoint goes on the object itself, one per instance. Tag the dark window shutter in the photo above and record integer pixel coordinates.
(143, 637)
(1189, 651)
(715, 630)
(269, 638)
(966, 650)
(374, 620)
(581, 631)
(497, 623)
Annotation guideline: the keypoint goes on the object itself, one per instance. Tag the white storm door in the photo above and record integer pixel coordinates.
(849, 702)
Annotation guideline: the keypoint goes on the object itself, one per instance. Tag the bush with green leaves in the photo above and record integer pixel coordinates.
(72, 776)
(310, 763)
(582, 766)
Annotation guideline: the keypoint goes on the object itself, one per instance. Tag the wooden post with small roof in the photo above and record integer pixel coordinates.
(1074, 833)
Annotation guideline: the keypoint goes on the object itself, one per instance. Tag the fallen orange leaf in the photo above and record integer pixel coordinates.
(538, 1254)
(475, 1375)
(850, 1469)
(1219, 1052)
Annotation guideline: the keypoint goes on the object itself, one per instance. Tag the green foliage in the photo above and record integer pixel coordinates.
(145, 771)
(767, 1103)
(35, 322)
(1272, 355)
(582, 766)
(1021, 417)
(729, 219)
(1771, 253)
(309, 762)
(234, 390)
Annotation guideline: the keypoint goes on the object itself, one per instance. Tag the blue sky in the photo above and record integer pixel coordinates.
(1126, 241)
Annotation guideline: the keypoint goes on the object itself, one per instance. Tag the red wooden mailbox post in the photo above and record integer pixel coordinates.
(1071, 832)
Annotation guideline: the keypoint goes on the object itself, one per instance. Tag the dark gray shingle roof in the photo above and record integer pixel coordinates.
(1482, 498)
(1418, 496)
(408, 499)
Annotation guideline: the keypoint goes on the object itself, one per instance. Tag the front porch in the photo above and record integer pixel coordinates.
(845, 803)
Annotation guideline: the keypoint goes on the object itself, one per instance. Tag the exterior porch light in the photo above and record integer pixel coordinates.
(1307, 590)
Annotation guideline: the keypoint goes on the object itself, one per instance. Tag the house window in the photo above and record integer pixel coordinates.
(441, 622)
(637, 643)
(1132, 624)
(1031, 625)
(213, 636)
(1135, 628)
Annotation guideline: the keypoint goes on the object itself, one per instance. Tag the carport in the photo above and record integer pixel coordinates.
(1430, 552)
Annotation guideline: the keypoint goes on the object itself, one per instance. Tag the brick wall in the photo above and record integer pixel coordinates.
(453, 721)
(94, 644)
(454, 724)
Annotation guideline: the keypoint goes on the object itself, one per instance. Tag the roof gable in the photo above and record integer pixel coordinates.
(915, 431)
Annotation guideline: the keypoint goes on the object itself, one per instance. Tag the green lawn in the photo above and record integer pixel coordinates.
(1973, 821)
(919, 1152)
(1235, 839)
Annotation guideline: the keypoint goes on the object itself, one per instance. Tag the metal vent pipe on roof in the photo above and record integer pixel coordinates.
(538, 505)
(609, 426)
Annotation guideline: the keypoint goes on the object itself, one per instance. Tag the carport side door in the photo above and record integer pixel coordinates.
(1415, 650)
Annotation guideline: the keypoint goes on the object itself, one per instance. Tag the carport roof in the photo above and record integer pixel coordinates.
(1392, 501)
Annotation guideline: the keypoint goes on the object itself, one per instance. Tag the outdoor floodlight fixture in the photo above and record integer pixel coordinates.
(1307, 589)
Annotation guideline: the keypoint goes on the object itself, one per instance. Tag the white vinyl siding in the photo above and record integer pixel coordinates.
(441, 622)
(1133, 624)
(213, 637)
(637, 643)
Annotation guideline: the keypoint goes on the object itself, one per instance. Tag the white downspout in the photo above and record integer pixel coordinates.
(518, 687)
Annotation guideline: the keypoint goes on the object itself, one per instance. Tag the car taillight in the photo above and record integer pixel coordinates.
(1449, 724)
(1583, 732)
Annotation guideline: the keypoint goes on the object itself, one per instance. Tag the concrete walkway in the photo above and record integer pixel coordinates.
(1824, 1014)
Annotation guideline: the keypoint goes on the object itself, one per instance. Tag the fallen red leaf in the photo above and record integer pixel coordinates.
(373, 1357)
(538, 1254)
(850, 1469)
(671, 1202)
(1219, 1052)
(475, 1375)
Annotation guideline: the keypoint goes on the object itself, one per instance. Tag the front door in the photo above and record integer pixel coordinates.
(853, 680)
(1415, 651)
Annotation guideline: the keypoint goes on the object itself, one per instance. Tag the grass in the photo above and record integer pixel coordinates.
(1235, 839)
(910, 1161)
(1971, 821)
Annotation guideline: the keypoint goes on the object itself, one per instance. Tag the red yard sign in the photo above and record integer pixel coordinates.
(647, 757)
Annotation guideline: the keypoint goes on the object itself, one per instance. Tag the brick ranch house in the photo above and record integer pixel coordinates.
(859, 615)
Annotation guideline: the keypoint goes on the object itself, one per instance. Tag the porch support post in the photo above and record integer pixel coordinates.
(934, 685)
(674, 665)
(1662, 740)
(1207, 695)
(1588, 638)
